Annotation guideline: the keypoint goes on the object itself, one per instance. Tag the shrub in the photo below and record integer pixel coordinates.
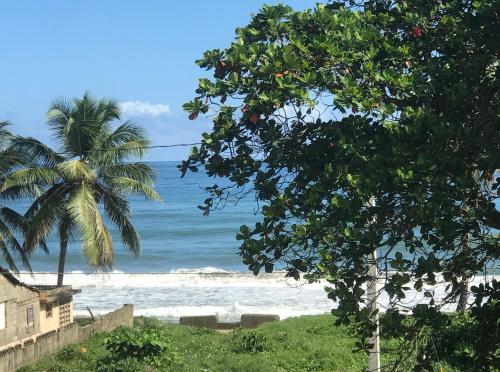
(311, 363)
(137, 343)
(110, 364)
(458, 340)
(129, 347)
(281, 337)
(251, 342)
(147, 322)
(68, 353)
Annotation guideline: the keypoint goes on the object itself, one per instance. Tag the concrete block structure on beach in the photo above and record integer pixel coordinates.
(254, 320)
(204, 321)
(212, 322)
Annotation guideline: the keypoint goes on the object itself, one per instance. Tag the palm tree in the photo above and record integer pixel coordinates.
(10, 220)
(90, 169)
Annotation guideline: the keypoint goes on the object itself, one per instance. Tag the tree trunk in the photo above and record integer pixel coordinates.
(464, 295)
(464, 285)
(62, 261)
(372, 296)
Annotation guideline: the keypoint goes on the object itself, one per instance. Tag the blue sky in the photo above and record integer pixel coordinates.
(141, 53)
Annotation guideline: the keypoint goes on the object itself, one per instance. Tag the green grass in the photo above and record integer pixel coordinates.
(309, 343)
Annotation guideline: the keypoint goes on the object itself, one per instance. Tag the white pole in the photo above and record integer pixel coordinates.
(372, 297)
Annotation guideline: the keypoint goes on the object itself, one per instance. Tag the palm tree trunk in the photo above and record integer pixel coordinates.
(62, 261)
(64, 232)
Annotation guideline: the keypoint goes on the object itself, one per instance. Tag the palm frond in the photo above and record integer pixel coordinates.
(118, 211)
(20, 224)
(10, 242)
(43, 214)
(107, 110)
(11, 160)
(22, 192)
(7, 257)
(15, 220)
(138, 171)
(35, 151)
(96, 240)
(58, 117)
(27, 176)
(126, 132)
(131, 186)
(75, 171)
(119, 154)
(5, 134)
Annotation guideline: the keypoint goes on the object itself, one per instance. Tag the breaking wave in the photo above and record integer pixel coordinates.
(207, 291)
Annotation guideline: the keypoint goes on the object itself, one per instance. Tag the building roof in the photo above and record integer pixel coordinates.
(52, 293)
(12, 279)
(48, 293)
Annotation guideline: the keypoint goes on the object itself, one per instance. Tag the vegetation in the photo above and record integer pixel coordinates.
(299, 344)
(150, 346)
(321, 110)
(10, 221)
(306, 343)
(91, 168)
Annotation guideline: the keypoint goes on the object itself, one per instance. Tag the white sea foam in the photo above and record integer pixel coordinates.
(205, 277)
(203, 270)
(209, 291)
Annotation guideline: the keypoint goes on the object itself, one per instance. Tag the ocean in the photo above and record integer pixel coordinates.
(189, 264)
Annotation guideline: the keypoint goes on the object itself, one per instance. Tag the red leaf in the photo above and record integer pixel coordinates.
(416, 32)
(254, 118)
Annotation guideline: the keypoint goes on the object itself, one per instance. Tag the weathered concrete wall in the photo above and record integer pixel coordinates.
(203, 321)
(49, 323)
(255, 320)
(212, 322)
(48, 343)
(17, 298)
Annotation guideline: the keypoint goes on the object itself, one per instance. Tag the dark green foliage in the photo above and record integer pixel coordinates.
(290, 346)
(137, 343)
(250, 342)
(128, 347)
(68, 353)
(319, 110)
(126, 364)
(10, 221)
(460, 340)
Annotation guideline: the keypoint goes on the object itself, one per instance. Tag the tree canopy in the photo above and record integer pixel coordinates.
(11, 222)
(91, 169)
(318, 111)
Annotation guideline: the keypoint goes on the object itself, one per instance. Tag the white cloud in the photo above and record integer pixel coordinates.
(144, 108)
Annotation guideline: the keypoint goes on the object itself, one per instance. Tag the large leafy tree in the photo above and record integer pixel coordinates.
(320, 111)
(11, 222)
(91, 169)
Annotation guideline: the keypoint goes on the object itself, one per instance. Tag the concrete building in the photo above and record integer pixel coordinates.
(27, 311)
